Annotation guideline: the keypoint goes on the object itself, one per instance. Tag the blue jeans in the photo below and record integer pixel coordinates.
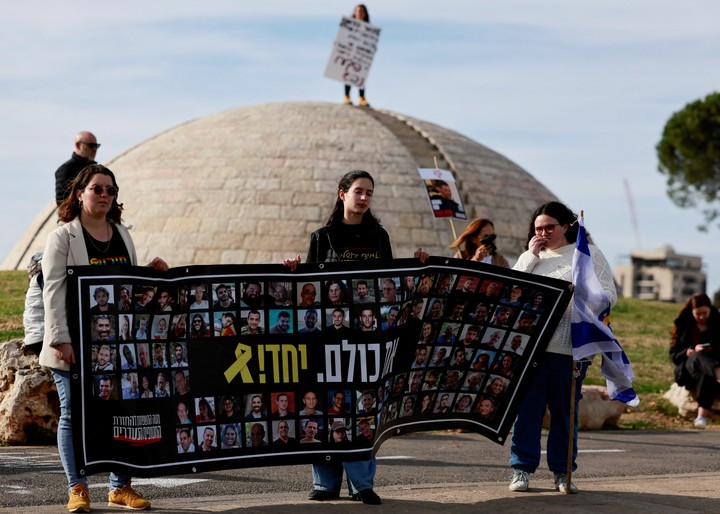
(550, 387)
(66, 448)
(360, 475)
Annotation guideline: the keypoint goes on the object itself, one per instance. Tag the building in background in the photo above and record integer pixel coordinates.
(661, 275)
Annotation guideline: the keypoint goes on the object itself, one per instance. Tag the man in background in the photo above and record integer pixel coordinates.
(86, 146)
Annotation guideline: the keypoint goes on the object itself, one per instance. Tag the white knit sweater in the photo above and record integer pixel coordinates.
(558, 264)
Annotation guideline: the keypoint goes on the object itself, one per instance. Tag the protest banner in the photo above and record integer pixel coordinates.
(353, 52)
(443, 193)
(226, 366)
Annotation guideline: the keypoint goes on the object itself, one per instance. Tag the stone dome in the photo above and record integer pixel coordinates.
(250, 184)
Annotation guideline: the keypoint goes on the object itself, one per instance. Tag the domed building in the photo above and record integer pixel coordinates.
(250, 184)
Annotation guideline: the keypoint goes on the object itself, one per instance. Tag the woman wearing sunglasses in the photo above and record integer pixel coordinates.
(92, 235)
(551, 246)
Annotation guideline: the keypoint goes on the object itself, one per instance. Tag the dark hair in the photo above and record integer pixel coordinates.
(70, 208)
(561, 213)
(344, 296)
(211, 413)
(100, 290)
(195, 333)
(686, 317)
(344, 185)
(367, 14)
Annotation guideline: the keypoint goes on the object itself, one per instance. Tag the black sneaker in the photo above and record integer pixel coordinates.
(321, 496)
(369, 497)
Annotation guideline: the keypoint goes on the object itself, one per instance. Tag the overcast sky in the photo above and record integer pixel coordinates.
(576, 94)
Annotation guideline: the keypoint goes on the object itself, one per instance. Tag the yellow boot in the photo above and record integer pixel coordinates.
(347, 100)
(362, 102)
(79, 499)
(127, 497)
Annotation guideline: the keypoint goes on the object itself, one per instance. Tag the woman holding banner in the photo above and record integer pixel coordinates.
(359, 13)
(91, 233)
(351, 226)
(551, 237)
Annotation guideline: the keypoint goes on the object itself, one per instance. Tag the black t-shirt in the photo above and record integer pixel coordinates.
(349, 243)
(353, 243)
(113, 252)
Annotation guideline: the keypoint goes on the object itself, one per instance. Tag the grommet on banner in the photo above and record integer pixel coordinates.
(321, 266)
(75, 376)
(397, 431)
(194, 469)
(328, 458)
(70, 272)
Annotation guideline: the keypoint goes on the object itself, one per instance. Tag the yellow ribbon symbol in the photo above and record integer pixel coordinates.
(243, 354)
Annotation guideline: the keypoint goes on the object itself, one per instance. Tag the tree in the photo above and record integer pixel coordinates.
(689, 154)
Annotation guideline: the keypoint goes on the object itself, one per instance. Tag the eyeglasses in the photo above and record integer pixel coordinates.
(98, 189)
(307, 291)
(547, 228)
(94, 146)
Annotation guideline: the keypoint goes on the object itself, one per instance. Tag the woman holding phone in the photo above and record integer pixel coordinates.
(695, 350)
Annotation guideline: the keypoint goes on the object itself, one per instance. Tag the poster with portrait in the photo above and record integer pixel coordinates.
(353, 52)
(445, 200)
(212, 367)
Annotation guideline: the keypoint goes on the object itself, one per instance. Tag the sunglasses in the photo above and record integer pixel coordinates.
(94, 146)
(98, 189)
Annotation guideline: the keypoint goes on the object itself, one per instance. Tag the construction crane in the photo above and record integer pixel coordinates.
(633, 217)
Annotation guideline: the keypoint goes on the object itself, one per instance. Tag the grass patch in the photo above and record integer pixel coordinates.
(643, 329)
(13, 285)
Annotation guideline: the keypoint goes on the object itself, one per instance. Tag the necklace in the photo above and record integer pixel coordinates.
(92, 239)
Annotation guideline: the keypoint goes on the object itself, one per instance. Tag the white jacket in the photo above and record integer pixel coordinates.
(558, 264)
(65, 247)
(34, 313)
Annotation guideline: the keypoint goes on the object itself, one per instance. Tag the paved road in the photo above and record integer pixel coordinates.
(643, 471)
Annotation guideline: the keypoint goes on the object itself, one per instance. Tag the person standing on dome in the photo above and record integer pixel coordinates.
(359, 13)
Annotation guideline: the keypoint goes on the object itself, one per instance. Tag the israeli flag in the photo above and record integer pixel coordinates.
(590, 325)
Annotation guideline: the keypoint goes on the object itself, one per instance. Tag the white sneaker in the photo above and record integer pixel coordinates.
(520, 481)
(700, 421)
(561, 484)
